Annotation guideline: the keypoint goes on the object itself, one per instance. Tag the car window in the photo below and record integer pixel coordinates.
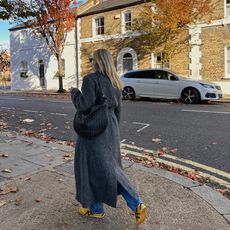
(148, 74)
(162, 75)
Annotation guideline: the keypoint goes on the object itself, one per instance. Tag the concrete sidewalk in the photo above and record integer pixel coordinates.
(43, 174)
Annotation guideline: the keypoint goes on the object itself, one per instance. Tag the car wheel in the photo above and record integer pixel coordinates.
(128, 93)
(190, 96)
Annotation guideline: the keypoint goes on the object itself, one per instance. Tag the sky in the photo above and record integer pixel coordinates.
(4, 32)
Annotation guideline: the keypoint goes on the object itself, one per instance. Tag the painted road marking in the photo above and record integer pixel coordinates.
(123, 141)
(60, 101)
(31, 111)
(59, 114)
(167, 161)
(7, 107)
(144, 124)
(205, 111)
(202, 166)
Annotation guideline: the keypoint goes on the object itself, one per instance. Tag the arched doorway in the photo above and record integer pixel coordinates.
(127, 62)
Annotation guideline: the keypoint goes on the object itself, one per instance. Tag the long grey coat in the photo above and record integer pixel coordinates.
(98, 166)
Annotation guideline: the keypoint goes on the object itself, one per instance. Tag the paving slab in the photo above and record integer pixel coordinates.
(219, 202)
(170, 206)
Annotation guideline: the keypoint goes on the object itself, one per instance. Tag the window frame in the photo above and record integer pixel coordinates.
(22, 36)
(124, 22)
(24, 69)
(226, 62)
(95, 28)
(226, 8)
(127, 58)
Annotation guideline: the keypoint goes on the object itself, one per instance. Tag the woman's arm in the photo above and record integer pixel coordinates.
(84, 100)
(118, 108)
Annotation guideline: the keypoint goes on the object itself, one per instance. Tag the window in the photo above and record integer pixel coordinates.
(227, 7)
(22, 36)
(24, 69)
(159, 61)
(127, 22)
(99, 26)
(127, 62)
(227, 62)
(162, 75)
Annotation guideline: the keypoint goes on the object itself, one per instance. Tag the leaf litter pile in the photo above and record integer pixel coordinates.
(150, 159)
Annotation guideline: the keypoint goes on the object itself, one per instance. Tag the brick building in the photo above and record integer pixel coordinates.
(107, 24)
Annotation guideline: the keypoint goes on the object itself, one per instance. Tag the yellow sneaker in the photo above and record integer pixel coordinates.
(140, 213)
(87, 212)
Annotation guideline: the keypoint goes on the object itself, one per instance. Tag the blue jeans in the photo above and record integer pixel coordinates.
(131, 201)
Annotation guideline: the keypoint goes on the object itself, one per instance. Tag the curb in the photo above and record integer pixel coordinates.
(220, 203)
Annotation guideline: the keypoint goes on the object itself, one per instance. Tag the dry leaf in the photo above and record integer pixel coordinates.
(28, 178)
(38, 200)
(173, 150)
(8, 189)
(18, 201)
(2, 203)
(7, 170)
(68, 156)
(156, 140)
(5, 155)
(28, 120)
(214, 143)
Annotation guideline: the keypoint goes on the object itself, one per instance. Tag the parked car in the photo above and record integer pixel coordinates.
(161, 83)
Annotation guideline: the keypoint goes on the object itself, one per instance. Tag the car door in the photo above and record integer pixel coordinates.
(167, 85)
(144, 83)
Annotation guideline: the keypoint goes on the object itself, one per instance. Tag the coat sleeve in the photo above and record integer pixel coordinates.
(84, 100)
(118, 108)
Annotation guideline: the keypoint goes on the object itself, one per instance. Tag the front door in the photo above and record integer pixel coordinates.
(42, 73)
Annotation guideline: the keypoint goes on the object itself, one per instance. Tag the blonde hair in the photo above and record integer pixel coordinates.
(104, 64)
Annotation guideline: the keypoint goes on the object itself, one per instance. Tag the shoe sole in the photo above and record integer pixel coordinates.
(143, 215)
(92, 216)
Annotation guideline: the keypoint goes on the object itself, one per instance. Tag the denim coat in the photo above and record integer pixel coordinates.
(97, 163)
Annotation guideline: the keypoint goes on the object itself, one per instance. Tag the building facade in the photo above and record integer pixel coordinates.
(108, 24)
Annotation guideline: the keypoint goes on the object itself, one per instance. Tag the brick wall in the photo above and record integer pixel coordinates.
(214, 40)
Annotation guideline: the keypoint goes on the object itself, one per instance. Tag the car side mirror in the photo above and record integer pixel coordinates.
(174, 78)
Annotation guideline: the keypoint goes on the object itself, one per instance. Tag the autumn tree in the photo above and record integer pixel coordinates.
(55, 20)
(4, 65)
(164, 24)
(16, 9)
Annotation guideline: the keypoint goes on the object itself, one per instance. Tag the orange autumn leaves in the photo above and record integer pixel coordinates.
(165, 23)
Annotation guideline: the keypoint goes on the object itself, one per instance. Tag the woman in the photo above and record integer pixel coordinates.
(98, 169)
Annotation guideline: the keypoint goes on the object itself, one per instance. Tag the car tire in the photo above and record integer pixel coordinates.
(128, 93)
(190, 96)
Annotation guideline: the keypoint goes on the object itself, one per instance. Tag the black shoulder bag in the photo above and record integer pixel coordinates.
(95, 122)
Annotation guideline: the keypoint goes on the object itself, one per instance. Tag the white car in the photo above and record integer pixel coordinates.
(160, 83)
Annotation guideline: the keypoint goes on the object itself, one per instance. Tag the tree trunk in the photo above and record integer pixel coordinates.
(60, 76)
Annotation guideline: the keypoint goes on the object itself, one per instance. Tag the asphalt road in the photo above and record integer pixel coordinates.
(200, 133)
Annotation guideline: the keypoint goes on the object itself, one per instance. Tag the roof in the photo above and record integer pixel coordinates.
(109, 5)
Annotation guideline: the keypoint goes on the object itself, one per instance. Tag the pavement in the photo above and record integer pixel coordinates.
(40, 178)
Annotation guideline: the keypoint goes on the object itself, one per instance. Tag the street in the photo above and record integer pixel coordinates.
(199, 133)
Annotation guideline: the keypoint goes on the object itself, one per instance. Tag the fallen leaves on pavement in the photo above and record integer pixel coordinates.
(7, 170)
(4, 155)
(225, 191)
(8, 189)
(18, 201)
(28, 121)
(68, 156)
(3, 125)
(38, 200)
(156, 140)
(2, 203)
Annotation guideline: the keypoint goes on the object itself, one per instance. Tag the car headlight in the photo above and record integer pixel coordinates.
(207, 86)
